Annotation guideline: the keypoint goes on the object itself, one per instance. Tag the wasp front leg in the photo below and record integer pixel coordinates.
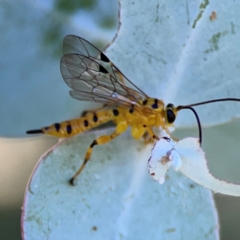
(151, 133)
(147, 138)
(145, 132)
(121, 127)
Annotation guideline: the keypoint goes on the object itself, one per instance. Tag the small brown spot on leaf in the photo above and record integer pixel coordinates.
(170, 230)
(164, 160)
(213, 16)
(94, 228)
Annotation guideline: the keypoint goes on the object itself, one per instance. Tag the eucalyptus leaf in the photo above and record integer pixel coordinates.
(175, 51)
(114, 197)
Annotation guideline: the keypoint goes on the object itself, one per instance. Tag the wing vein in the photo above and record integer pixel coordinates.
(93, 77)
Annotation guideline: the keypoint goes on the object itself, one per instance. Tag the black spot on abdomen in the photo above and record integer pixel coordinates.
(69, 129)
(95, 118)
(57, 126)
(85, 122)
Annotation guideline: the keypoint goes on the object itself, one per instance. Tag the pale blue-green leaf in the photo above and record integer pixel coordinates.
(175, 52)
(119, 201)
(114, 197)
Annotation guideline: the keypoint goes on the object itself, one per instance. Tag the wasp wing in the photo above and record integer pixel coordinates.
(93, 77)
(75, 44)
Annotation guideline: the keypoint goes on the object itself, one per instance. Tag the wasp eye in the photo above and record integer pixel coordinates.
(170, 114)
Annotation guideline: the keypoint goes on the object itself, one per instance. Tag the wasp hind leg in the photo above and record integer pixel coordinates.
(99, 141)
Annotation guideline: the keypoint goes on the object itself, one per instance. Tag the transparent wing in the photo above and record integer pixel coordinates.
(93, 77)
(75, 44)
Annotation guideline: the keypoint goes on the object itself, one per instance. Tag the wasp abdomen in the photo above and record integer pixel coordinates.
(75, 126)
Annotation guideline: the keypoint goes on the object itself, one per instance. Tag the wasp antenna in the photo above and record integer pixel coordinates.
(214, 100)
(36, 131)
(198, 120)
(202, 103)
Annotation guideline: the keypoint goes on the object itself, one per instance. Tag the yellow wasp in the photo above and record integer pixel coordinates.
(93, 77)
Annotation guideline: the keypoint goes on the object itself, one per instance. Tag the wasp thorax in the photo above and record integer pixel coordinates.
(153, 103)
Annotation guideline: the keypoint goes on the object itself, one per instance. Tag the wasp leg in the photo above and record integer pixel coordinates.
(151, 133)
(147, 138)
(144, 131)
(121, 127)
(169, 133)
